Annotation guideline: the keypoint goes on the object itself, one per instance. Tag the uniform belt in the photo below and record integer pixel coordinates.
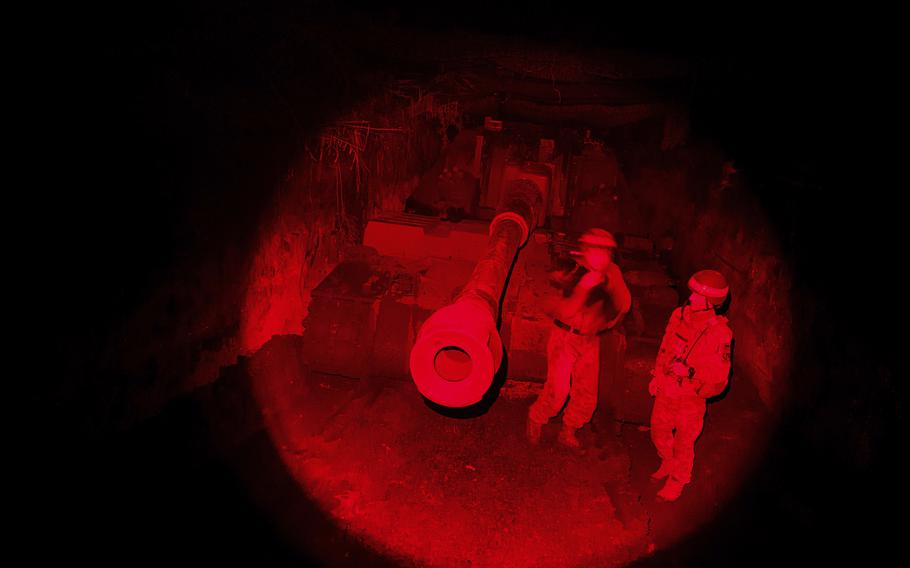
(577, 331)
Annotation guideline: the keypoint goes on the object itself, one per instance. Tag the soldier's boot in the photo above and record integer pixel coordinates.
(671, 490)
(663, 471)
(568, 439)
(533, 431)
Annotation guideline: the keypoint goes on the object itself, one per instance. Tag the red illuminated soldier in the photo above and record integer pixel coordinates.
(594, 300)
(693, 364)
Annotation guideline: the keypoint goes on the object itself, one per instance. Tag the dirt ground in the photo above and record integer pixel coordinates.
(422, 488)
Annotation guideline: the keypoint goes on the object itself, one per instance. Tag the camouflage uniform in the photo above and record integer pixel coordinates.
(573, 358)
(679, 402)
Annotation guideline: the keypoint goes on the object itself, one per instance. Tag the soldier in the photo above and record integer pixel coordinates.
(593, 301)
(693, 364)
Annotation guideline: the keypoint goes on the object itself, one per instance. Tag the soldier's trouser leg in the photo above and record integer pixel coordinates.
(663, 420)
(583, 390)
(560, 361)
(690, 418)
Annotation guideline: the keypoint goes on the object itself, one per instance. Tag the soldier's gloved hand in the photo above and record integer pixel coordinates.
(680, 369)
(652, 387)
(591, 279)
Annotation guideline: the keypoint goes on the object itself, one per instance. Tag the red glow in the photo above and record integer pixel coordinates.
(418, 485)
(414, 484)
